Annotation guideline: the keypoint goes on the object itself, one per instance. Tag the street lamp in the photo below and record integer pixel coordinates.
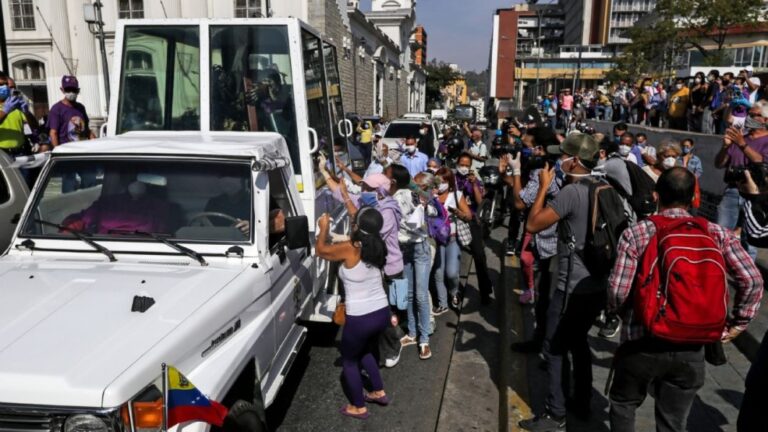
(92, 15)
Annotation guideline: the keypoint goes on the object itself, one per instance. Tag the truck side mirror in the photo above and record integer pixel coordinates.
(297, 232)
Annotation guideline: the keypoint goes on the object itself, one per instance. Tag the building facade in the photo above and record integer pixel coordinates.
(603, 22)
(47, 39)
(419, 43)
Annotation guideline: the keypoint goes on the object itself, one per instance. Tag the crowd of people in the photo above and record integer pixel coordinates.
(705, 103)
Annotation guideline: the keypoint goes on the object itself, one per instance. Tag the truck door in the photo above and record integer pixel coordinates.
(343, 128)
(13, 196)
(290, 269)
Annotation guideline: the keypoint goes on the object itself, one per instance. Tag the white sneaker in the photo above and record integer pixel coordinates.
(392, 362)
(407, 340)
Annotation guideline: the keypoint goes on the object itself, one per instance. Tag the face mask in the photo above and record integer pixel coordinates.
(4, 92)
(410, 149)
(382, 160)
(463, 170)
(424, 132)
(726, 82)
(697, 80)
(432, 170)
(679, 86)
(753, 124)
(686, 150)
(669, 162)
(369, 199)
(711, 78)
(624, 150)
(70, 96)
(442, 188)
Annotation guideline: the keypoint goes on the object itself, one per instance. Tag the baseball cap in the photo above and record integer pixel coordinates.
(583, 146)
(69, 81)
(377, 182)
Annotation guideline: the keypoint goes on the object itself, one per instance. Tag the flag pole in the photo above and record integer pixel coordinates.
(165, 398)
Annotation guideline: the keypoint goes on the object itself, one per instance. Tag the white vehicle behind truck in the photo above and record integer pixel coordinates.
(194, 249)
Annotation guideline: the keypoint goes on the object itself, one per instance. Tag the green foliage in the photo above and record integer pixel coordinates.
(477, 82)
(439, 76)
(680, 25)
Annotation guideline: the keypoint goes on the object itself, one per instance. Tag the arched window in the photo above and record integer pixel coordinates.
(138, 61)
(30, 80)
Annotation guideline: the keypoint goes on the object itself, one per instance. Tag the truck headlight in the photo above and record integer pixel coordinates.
(85, 423)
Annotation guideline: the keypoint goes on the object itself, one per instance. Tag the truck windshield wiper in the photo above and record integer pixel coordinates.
(172, 244)
(81, 236)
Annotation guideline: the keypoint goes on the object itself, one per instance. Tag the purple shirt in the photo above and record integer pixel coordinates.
(390, 213)
(468, 190)
(70, 122)
(737, 157)
(122, 213)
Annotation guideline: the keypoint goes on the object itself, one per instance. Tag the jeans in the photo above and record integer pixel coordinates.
(707, 126)
(447, 264)
(69, 180)
(673, 375)
(567, 116)
(357, 339)
(552, 122)
(568, 333)
(728, 216)
(605, 113)
(417, 260)
(755, 393)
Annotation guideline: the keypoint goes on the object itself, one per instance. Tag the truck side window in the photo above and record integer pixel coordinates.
(5, 192)
(280, 207)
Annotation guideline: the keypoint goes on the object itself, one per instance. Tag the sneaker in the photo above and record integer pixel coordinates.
(424, 351)
(407, 340)
(611, 327)
(527, 297)
(392, 362)
(455, 301)
(439, 310)
(543, 423)
(511, 247)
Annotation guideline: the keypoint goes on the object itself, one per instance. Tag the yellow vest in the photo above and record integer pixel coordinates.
(12, 130)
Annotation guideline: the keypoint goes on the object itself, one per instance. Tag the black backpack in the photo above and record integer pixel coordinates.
(641, 198)
(607, 220)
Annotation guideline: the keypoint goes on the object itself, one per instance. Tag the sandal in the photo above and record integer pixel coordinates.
(360, 416)
(383, 400)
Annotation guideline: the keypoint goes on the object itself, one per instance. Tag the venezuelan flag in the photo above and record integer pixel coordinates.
(186, 403)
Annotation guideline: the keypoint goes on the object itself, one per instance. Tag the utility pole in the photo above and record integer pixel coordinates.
(577, 75)
(3, 41)
(93, 17)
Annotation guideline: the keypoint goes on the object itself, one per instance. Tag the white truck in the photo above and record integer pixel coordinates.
(185, 237)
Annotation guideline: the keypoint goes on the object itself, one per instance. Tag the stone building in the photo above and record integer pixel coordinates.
(50, 38)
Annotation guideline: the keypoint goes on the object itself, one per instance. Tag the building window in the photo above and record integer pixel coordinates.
(29, 70)
(30, 80)
(249, 9)
(131, 9)
(23, 14)
(139, 61)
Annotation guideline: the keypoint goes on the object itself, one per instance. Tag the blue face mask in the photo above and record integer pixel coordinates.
(686, 150)
(370, 199)
(4, 92)
(527, 152)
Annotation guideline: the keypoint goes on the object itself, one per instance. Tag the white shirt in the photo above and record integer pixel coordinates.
(480, 150)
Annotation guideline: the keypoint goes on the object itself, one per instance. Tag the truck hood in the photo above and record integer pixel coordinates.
(67, 329)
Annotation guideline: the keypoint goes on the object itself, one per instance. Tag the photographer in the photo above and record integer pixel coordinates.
(737, 152)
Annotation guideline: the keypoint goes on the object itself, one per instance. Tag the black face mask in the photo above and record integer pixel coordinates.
(726, 82)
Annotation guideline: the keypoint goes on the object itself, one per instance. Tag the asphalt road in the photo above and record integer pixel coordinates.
(311, 396)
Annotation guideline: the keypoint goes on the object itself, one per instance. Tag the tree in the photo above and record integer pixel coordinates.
(439, 76)
(477, 82)
(677, 26)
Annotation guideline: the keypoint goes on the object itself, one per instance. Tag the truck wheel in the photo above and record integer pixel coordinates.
(245, 417)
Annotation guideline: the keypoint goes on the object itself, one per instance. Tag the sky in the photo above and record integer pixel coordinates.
(458, 31)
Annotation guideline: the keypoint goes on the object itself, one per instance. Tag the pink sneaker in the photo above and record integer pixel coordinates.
(527, 297)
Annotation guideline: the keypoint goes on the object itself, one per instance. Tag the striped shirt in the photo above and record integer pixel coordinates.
(631, 247)
(546, 240)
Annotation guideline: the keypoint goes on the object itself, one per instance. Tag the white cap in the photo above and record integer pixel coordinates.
(748, 68)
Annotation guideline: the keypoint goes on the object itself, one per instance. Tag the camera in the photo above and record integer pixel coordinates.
(501, 147)
(585, 128)
(16, 93)
(758, 171)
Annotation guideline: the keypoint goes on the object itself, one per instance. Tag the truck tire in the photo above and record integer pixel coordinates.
(245, 417)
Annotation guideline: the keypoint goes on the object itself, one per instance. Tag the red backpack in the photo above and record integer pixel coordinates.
(681, 287)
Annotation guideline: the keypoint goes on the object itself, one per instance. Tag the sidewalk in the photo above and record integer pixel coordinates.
(715, 407)
(471, 397)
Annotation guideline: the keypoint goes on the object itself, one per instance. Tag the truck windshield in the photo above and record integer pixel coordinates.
(252, 84)
(111, 199)
(160, 79)
(402, 130)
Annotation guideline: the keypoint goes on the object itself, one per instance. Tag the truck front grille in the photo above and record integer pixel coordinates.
(28, 422)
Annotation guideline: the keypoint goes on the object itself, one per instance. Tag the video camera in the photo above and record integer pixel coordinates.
(584, 128)
(501, 147)
(758, 171)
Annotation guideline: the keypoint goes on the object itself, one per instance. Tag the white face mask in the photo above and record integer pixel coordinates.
(442, 188)
(624, 150)
(697, 80)
(70, 96)
(679, 86)
(669, 162)
(463, 170)
(410, 149)
(424, 132)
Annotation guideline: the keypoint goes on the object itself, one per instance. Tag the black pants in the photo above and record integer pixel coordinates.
(680, 123)
(755, 393)
(477, 249)
(673, 373)
(568, 333)
(543, 280)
